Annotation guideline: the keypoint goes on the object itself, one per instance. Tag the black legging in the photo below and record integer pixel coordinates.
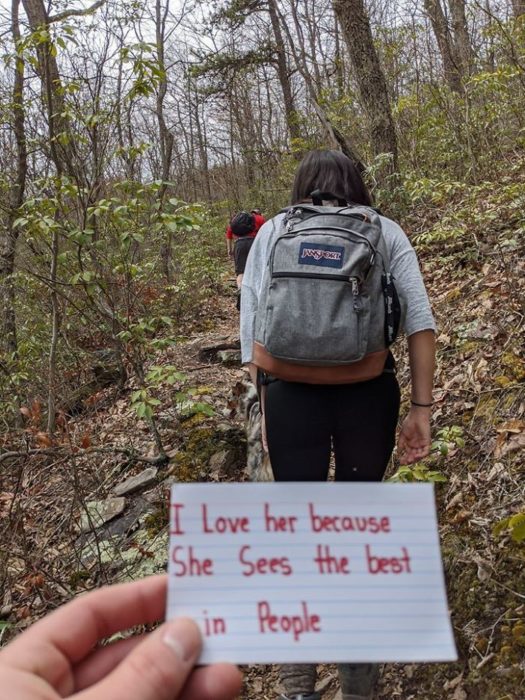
(303, 421)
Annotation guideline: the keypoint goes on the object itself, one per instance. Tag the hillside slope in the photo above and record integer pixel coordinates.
(470, 242)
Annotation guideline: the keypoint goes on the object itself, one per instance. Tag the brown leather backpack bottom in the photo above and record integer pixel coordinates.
(369, 367)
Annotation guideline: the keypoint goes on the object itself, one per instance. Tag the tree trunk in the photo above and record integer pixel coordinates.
(303, 26)
(63, 158)
(444, 41)
(63, 152)
(165, 136)
(200, 125)
(8, 243)
(283, 73)
(339, 63)
(463, 45)
(518, 8)
(55, 330)
(337, 140)
(371, 81)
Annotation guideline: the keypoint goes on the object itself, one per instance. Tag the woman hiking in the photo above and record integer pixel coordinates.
(305, 420)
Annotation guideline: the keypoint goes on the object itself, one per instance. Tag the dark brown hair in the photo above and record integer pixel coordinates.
(329, 171)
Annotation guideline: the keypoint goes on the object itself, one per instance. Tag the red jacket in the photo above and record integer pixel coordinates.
(259, 221)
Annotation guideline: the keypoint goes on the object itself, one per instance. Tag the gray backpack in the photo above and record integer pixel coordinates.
(328, 310)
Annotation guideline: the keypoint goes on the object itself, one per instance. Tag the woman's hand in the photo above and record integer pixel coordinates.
(414, 436)
(60, 656)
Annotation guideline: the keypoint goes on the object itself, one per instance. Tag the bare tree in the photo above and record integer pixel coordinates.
(200, 126)
(16, 196)
(453, 40)
(123, 120)
(165, 135)
(65, 158)
(283, 72)
(63, 151)
(444, 41)
(462, 41)
(370, 78)
(518, 7)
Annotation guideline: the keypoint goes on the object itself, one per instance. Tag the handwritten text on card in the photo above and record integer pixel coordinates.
(301, 572)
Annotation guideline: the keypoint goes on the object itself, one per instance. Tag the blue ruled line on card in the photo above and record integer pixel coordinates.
(318, 587)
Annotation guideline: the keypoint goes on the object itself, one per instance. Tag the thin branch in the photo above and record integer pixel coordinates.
(76, 13)
(4, 369)
(131, 454)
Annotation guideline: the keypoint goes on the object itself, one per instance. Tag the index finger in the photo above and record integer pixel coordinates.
(75, 629)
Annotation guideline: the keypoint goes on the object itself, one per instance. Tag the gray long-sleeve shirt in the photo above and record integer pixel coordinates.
(416, 314)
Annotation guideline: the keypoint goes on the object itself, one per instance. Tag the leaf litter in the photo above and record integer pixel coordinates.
(479, 386)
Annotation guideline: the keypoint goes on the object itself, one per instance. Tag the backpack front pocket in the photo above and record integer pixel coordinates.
(316, 318)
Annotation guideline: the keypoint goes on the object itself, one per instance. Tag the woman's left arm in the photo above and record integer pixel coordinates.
(414, 437)
(419, 326)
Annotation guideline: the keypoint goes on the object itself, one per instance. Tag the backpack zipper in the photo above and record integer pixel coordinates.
(312, 276)
(321, 229)
(312, 212)
(352, 281)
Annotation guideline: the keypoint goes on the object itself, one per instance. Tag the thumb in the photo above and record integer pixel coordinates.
(156, 669)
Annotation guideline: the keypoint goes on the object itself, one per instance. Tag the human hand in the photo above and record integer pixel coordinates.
(60, 656)
(414, 436)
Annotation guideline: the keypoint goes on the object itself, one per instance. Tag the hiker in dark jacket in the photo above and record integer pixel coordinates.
(243, 250)
(240, 234)
(304, 421)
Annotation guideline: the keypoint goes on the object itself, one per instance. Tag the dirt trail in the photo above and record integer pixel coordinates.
(479, 389)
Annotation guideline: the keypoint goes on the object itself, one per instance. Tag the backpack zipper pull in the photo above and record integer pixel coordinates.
(289, 215)
(358, 306)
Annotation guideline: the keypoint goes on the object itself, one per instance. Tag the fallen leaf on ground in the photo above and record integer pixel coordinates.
(511, 426)
(516, 442)
(43, 440)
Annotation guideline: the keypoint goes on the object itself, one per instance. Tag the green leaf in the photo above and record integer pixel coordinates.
(514, 523)
(435, 476)
(419, 472)
(204, 408)
(517, 527)
(141, 409)
(3, 627)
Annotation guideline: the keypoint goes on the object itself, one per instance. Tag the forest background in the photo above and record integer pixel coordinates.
(130, 132)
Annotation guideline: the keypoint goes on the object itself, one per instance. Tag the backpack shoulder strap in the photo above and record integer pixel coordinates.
(369, 214)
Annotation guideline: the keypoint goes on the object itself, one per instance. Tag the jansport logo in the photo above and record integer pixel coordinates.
(321, 254)
(318, 254)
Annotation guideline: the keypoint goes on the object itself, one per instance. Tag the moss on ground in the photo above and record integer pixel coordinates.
(191, 463)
